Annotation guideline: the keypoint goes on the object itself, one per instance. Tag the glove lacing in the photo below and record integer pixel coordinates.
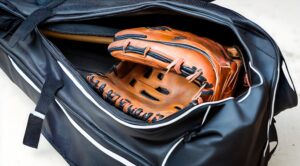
(176, 64)
(122, 103)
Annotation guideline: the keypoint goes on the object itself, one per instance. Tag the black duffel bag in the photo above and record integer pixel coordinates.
(88, 131)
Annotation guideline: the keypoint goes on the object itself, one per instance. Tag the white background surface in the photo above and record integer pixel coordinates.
(279, 18)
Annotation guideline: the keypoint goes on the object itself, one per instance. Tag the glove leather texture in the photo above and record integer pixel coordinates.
(168, 70)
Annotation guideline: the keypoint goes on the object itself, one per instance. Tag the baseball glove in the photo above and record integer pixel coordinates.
(163, 70)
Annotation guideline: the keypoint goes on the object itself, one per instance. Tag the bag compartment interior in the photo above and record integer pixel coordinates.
(86, 57)
(92, 57)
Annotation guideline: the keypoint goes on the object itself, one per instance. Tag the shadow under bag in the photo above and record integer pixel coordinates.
(87, 130)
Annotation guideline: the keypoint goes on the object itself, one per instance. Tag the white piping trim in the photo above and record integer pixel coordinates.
(272, 112)
(206, 114)
(24, 75)
(75, 125)
(100, 147)
(171, 151)
(35, 113)
(93, 141)
(250, 88)
(181, 139)
(85, 93)
(38, 114)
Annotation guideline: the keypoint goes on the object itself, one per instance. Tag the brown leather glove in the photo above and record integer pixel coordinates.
(163, 70)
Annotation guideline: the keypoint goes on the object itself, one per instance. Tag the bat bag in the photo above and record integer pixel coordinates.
(88, 131)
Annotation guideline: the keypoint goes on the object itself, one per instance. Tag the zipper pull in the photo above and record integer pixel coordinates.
(189, 136)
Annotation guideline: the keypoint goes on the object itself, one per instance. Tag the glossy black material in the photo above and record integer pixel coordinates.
(231, 132)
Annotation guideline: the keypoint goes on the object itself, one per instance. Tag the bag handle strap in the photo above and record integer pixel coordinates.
(52, 84)
(35, 120)
(35, 18)
(288, 74)
(273, 137)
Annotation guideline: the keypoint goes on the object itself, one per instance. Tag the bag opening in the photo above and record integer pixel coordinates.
(94, 57)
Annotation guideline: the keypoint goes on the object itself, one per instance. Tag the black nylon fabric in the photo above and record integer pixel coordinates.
(79, 6)
(234, 132)
(33, 20)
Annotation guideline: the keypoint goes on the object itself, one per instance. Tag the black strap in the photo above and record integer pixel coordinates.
(35, 120)
(33, 131)
(289, 75)
(286, 94)
(33, 20)
(53, 82)
(273, 137)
